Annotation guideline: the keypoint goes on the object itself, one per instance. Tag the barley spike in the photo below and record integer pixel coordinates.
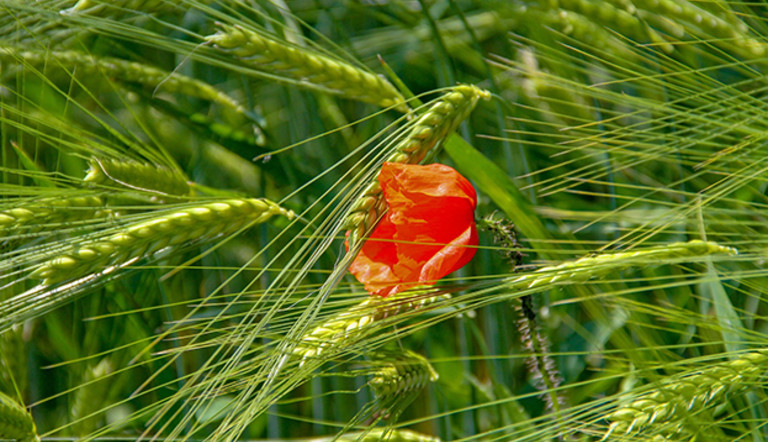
(142, 239)
(309, 67)
(710, 24)
(589, 267)
(423, 137)
(663, 407)
(122, 70)
(401, 373)
(15, 421)
(136, 176)
(35, 215)
(608, 15)
(350, 325)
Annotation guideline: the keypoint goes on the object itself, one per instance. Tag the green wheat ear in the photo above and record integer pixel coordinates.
(665, 409)
(422, 139)
(350, 325)
(15, 421)
(139, 176)
(400, 376)
(142, 239)
(589, 267)
(130, 72)
(306, 66)
(35, 215)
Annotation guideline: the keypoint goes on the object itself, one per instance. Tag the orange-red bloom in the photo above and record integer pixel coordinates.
(428, 231)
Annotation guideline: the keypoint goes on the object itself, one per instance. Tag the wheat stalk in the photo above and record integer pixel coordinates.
(422, 138)
(302, 64)
(144, 238)
(666, 407)
(121, 70)
(15, 421)
(136, 175)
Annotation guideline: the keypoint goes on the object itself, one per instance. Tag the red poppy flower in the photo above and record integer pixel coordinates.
(428, 231)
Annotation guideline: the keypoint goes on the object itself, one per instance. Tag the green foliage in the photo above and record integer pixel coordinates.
(142, 144)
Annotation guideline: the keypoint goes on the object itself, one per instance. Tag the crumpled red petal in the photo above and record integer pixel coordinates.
(428, 232)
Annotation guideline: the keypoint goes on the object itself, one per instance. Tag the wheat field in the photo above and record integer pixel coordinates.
(188, 189)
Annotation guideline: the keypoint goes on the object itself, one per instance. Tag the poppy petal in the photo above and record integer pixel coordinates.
(428, 231)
